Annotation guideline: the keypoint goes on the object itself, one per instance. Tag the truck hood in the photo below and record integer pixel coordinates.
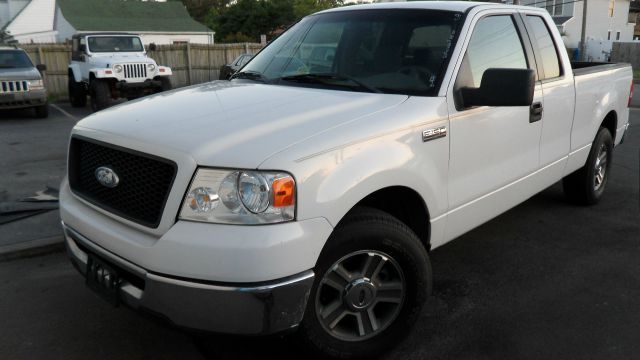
(235, 124)
(107, 60)
(19, 74)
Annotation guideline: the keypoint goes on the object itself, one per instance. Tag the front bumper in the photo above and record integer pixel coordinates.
(243, 309)
(20, 100)
(147, 84)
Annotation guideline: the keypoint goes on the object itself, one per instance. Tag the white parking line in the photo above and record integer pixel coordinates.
(63, 112)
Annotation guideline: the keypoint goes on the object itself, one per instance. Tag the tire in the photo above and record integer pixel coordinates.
(165, 84)
(100, 94)
(42, 111)
(367, 235)
(586, 185)
(77, 93)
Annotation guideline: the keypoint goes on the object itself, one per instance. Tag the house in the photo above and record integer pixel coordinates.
(634, 12)
(28, 21)
(159, 21)
(607, 21)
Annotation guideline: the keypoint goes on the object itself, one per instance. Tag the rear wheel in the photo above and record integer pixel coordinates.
(586, 185)
(372, 279)
(100, 94)
(77, 93)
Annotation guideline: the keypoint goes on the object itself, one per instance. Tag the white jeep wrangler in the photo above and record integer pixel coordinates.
(111, 66)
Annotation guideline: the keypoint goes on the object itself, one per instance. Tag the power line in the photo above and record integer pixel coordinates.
(546, 1)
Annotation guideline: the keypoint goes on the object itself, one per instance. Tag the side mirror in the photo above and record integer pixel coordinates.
(501, 87)
(82, 48)
(41, 67)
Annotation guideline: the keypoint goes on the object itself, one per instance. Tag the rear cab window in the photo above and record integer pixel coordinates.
(547, 49)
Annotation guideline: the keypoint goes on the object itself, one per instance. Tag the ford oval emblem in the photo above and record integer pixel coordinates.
(107, 177)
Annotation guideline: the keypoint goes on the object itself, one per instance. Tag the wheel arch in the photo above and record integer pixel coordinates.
(74, 70)
(405, 204)
(610, 122)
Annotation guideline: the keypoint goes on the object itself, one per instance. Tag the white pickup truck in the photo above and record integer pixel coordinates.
(308, 191)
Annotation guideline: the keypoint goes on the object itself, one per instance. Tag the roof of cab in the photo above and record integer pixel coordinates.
(460, 6)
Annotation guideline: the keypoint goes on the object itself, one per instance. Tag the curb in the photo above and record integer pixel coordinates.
(32, 248)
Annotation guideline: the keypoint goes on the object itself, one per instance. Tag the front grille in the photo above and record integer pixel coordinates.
(135, 71)
(144, 180)
(13, 86)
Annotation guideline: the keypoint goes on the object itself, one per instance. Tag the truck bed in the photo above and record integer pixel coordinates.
(583, 67)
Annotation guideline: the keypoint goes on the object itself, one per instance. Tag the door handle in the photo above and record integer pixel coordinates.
(535, 112)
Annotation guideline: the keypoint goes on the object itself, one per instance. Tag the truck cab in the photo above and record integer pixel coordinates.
(108, 66)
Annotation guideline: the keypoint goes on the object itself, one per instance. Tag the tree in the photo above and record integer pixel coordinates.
(252, 18)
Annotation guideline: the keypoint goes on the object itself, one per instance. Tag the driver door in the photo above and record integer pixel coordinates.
(492, 149)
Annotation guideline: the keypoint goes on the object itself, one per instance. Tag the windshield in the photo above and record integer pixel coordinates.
(115, 44)
(14, 59)
(390, 51)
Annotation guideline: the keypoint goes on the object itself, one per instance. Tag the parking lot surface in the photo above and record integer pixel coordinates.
(32, 158)
(546, 280)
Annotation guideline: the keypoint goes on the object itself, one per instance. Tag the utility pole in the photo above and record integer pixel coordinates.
(583, 36)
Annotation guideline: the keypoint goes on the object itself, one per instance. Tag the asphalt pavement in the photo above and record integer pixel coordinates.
(546, 280)
(32, 158)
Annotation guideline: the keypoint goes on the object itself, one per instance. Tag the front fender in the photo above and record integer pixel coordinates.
(74, 69)
(335, 170)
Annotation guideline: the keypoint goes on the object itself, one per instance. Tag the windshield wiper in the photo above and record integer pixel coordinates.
(6, 67)
(330, 79)
(250, 75)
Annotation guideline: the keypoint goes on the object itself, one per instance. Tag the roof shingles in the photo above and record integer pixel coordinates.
(134, 16)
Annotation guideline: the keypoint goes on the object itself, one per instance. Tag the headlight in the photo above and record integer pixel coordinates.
(36, 85)
(151, 67)
(118, 68)
(240, 197)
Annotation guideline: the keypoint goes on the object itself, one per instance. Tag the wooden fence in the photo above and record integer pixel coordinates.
(628, 52)
(191, 63)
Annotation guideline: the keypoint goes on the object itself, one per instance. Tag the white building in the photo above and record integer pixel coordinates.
(28, 21)
(607, 21)
(48, 21)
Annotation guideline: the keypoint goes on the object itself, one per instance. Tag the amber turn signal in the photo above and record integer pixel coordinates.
(284, 192)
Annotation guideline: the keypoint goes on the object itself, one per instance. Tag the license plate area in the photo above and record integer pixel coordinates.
(103, 279)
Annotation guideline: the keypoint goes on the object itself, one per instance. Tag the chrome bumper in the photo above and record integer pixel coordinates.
(255, 309)
(23, 99)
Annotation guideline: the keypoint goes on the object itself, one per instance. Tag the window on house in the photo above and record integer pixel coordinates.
(618, 35)
(557, 9)
(612, 4)
(554, 7)
(609, 35)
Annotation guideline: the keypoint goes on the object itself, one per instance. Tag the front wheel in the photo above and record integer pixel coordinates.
(165, 84)
(77, 93)
(100, 94)
(586, 185)
(372, 280)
